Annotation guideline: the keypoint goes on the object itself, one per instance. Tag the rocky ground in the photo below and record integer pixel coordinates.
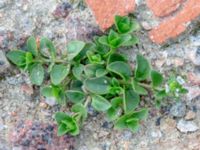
(25, 117)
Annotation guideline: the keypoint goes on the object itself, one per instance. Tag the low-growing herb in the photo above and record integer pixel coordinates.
(96, 74)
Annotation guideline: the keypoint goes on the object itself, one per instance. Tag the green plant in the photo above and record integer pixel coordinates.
(95, 73)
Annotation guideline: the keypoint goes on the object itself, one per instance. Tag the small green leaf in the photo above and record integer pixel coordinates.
(113, 113)
(94, 58)
(62, 129)
(54, 92)
(116, 102)
(67, 124)
(134, 40)
(114, 40)
(17, 57)
(101, 72)
(75, 96)
(32, 46)
(46, 46)
(133, 125)
(100, 103)
(131, 100)
(37, 74)
(59, 73)
(98, 85)
(47, 91)
(143, 68)
(124, 24)
(75, 131)
(91, 69)
(104, 40)
(81, 110)
(161, 94)
(60, 116)
(76, 85)
(82, 54)
(120, 68)
(156, 78)
(29, 59)
(139, 89)
(74, 48)
(116, 57)
(141, 114)
(121, 123)
(77, 71)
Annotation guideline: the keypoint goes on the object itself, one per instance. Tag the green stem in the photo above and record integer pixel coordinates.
(87, 101)
(112, 50)
(124, 101)
(149, 87)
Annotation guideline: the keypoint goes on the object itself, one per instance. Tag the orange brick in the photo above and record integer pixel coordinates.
(163, 7)
(105, 10)
(175, 25)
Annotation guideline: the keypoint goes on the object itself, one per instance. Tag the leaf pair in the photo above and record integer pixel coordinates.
(114, 40)
(66, 124)
(115, 110)
(126, 25)
(132, 120)
(54, 92)
(143, 72)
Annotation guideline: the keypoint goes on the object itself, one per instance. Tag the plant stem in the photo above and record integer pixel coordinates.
(145, 86)
(149, 87)
(87, 101)
(112, 50)
(124, 101)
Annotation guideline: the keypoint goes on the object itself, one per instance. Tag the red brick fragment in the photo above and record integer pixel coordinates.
(174, 26)
(163, 7)
(105, 10)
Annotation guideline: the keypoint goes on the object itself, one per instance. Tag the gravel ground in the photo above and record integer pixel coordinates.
(174, 127)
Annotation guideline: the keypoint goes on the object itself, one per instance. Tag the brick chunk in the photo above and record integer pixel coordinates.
(105, 10)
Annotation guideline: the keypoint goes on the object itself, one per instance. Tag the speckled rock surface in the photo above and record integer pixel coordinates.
(63, 21)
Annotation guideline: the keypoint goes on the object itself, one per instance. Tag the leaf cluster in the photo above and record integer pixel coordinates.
(94, 73)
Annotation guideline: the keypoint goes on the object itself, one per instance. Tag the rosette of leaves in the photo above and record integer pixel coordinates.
(93, 73)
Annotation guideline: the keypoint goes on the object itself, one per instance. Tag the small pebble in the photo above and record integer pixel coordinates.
(187, 126)
(190, 115)
(178, 109)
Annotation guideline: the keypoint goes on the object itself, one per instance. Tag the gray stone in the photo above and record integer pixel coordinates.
(178, 109)
(195, 56)
(51, 101)
(187, 126)
(2, 3)
(4, 64)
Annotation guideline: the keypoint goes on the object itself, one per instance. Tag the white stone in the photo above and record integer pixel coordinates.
(187, 126)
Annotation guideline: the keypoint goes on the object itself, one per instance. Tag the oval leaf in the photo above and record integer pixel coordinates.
(133, 125)
(77, 71)
(120, 68)
(113, 113)
(143, 69)
(141, 114)
(46, 46)
(75, 96)
(32, 46)
(131, 100)
(17, 57)
(74, 48)
(37, 74)
(100, 103)
(98, 85)
(156, 78)
(59, 73)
